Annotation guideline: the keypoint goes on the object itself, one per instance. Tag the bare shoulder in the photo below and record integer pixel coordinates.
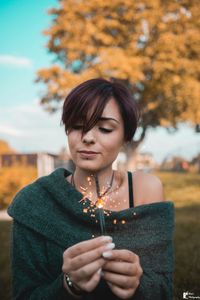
(147, 188)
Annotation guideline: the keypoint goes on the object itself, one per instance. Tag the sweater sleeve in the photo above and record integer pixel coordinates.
(154, 286)
(157, 280)
(31, 279)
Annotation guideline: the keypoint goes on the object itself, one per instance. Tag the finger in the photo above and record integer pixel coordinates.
(90, 256)
(121, 280)
(129, 269)
(120, 292)
(124, 255)
(87, 271)
(89, 285)
(87, 245)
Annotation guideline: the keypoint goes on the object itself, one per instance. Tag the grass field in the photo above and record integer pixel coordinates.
(4, 260)
(184, 190)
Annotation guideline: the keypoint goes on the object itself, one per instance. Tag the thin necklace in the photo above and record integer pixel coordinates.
(99, 194)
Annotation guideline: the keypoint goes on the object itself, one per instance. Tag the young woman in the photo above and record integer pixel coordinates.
(58, 251)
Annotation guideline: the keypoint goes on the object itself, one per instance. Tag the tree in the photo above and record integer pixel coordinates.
(153, 46)
(5, 148)
(12, 180)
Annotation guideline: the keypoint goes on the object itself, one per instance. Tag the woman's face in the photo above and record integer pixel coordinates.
(99, 147)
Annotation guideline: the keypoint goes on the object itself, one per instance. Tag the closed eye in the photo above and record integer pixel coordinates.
(105, 130)
(102, 129)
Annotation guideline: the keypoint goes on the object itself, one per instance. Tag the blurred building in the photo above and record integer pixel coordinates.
(44, 162)
(142, 161)
(175, 163)
(195, 164)
(139, 161)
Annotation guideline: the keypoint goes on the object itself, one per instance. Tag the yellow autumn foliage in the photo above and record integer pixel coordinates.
(153, 46)
(5, 148)
(12, 179)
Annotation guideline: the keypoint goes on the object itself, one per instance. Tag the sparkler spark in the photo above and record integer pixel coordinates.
(99, 203)
(101, 216)
(104, 199)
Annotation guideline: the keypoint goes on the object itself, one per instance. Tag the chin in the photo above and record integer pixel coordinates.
(89, 166)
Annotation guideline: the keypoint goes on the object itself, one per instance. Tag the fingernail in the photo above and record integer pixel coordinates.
(107, 254)
(106, 238)
(110, 246)
(99, 271)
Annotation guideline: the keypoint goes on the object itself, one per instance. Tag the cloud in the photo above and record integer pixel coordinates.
(6, 129)
(15, 61)
(27, 128)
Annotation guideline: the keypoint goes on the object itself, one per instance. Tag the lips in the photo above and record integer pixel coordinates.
(87, 152)
(84, 154)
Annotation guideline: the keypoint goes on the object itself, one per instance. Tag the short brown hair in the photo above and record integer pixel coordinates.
(94, 94)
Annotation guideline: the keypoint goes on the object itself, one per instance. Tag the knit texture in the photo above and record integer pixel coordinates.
(49, 217)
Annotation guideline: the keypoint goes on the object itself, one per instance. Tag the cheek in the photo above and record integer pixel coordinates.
(72, 141)
(114, 143)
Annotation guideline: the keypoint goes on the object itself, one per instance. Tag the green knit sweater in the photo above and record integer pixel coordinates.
(49, 217)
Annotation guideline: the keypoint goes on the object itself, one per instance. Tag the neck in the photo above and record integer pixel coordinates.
(85, 179)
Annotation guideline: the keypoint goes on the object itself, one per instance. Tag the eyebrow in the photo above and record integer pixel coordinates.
(107, 119)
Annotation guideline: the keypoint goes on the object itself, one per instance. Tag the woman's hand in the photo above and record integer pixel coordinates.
(83, 262)
(122, 271)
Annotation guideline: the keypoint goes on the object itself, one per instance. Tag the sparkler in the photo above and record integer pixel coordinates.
(99, 204)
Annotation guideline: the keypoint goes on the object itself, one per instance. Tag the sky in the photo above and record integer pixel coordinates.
(23, 122)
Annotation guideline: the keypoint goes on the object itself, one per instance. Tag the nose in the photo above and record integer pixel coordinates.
(89, 137)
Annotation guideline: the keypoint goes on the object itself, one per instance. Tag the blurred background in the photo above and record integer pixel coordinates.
(50, 46)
